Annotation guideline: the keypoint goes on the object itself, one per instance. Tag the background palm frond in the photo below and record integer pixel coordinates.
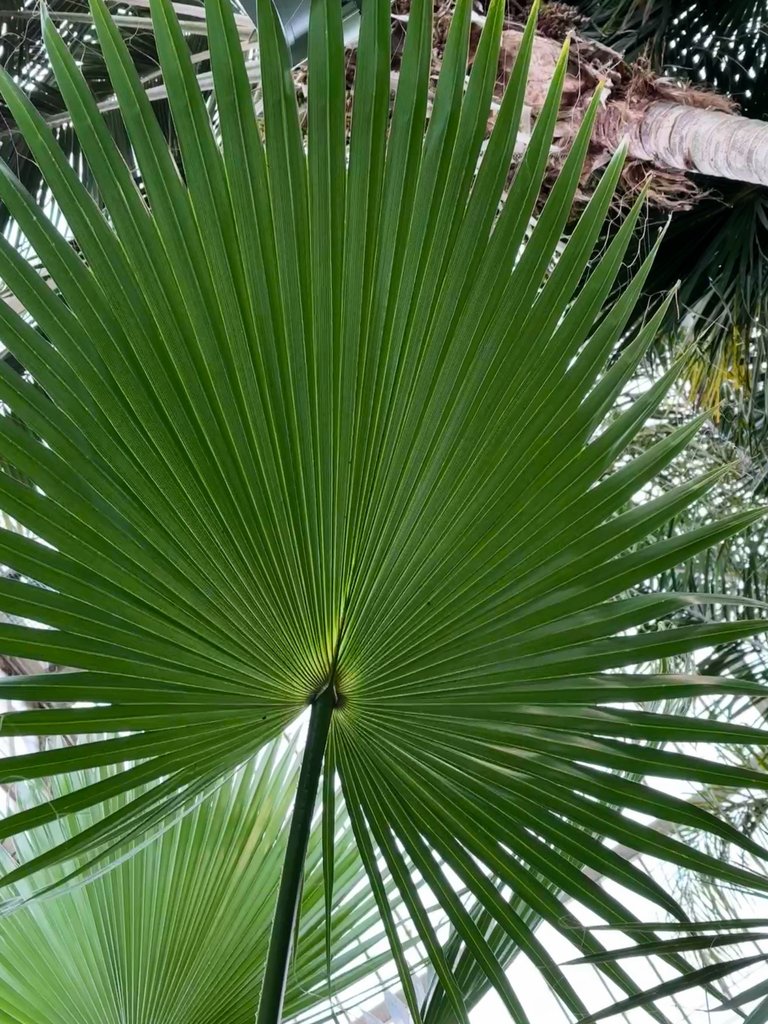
(178, 928)
(23, 56)
(723, 45)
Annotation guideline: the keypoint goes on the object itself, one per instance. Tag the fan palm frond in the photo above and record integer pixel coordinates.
(331, 432)
(178, 930)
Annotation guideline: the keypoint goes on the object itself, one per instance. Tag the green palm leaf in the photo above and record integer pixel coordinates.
(328, 429)
(179, 931)
(705, 936)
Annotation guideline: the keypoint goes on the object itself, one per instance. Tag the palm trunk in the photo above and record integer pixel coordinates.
(672, 129)
(684, 138)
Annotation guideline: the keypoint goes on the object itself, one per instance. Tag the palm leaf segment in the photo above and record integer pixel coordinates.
(328, 430)
(179, 930)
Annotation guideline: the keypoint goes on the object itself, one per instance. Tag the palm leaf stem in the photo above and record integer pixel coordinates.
(289, 893)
